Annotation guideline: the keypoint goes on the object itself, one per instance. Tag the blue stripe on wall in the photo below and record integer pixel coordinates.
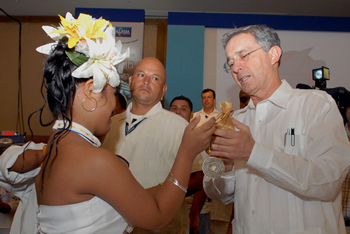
(278, 22)
(118, 15)
(184, 63)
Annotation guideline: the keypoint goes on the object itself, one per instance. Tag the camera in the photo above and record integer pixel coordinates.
(340, 94)
(320, 76)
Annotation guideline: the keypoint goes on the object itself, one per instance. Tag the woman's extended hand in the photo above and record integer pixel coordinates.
(196, 139)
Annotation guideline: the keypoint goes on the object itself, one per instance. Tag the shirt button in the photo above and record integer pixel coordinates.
(259, 121)
(253, 212)
(256, 179)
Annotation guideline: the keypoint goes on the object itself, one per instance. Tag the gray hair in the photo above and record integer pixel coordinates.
(266, 37)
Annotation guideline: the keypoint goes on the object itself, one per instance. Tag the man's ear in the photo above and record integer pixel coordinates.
(89, 87)
(191, 116)
(130, 80)
(164, 89)
(276, 53)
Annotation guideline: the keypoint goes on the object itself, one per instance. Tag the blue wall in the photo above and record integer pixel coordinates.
(185, 43)
(278, 22)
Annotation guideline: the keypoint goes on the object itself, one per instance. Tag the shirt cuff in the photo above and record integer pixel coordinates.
(229, 173)
(225, 175)
(261, 157)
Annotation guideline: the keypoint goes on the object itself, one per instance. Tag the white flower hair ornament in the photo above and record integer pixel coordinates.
(94, 40)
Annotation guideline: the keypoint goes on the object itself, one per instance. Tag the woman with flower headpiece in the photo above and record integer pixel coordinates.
(82, 188)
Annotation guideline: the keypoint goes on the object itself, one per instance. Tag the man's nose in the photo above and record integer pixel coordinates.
(237, 66)
(147, 80)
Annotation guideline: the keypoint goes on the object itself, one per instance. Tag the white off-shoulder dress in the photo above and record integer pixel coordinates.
(92, 216)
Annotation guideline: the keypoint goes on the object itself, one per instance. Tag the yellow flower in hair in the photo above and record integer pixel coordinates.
(83, 27)
(95, 52)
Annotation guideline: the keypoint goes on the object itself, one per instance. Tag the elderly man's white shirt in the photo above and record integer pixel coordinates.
(289, 189)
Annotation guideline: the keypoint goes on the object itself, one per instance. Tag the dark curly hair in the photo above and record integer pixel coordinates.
(60, 83)
(60, 90)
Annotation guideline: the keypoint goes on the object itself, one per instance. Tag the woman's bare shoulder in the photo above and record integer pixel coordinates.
(101, 161)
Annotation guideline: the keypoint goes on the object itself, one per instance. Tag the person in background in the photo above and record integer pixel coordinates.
(346, 183)
(285, 164)
(149, 136)
(243, 99)
(120, 104)
(219, 212)
(120, 107)
(182, 106)
(8, 206)
(18, 167)
(124, 87)
(197, 203)
(208, 102)
(347, 124)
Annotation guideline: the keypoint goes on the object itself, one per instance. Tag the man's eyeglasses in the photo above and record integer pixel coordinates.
(242, 57)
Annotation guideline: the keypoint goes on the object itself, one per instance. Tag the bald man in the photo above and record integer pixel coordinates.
(149, 136)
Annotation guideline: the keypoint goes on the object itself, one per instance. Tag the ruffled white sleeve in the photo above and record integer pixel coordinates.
(16, 183)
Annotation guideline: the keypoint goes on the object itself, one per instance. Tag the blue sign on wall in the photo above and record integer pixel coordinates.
(123, 31)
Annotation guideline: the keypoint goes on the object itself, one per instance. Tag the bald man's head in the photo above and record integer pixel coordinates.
(147, 84)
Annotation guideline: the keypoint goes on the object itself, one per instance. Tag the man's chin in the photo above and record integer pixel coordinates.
(144, 99)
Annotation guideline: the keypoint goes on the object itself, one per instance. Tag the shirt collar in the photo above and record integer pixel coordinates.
(149, 115)
(280, 97)
(215, 111)
(250, 106)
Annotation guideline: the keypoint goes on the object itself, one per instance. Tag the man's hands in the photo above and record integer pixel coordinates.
(231, 145)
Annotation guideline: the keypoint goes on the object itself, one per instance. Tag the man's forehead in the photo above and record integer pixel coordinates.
(181, 103)
(153, 73)
(151, 66)
(207, 94)
(240, 43)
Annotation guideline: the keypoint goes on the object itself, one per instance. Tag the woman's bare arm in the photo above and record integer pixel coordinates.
(27, 161)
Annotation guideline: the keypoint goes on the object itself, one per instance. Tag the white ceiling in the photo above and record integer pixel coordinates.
(339, 8)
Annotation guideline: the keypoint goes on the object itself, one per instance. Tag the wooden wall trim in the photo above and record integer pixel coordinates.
(30, 19)
(162, 30)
